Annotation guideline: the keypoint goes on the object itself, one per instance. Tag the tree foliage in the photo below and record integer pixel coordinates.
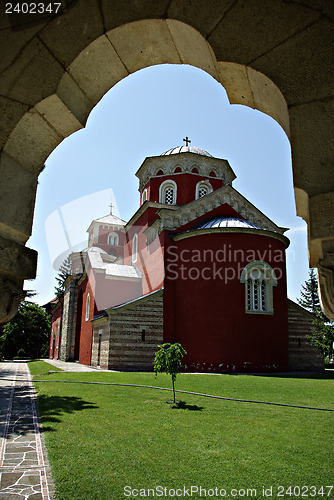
(27, 334)
(64, 273)
(322, 336)
(169, 359)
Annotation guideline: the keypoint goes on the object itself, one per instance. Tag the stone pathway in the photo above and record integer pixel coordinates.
(24, 470)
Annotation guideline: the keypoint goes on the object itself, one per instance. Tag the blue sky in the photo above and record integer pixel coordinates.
(146, 114)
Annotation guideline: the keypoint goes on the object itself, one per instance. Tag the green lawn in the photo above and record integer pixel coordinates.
(101, 438)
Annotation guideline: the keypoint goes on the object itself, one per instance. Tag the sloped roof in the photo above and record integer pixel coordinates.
(110, 219)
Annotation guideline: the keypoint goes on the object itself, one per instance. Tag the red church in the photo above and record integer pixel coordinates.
(196, 264)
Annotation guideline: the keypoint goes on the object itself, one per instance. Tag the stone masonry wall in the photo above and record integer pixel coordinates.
(302, 355)
(136, 329)
(69, 321)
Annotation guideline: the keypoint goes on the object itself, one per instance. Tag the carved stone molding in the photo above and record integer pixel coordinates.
(326, 284)
(10, 298)
(173, 220)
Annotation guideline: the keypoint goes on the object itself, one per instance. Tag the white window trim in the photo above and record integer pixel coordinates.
(115, 235)
(87, 307)
(259, 271)
(201, 184)
(144, 196)
(165, 185)
(135, 248)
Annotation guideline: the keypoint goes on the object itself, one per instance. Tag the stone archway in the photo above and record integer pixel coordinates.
(57, 70)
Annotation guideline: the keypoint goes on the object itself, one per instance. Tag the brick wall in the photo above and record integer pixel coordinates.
(129, 336)
(302, 355)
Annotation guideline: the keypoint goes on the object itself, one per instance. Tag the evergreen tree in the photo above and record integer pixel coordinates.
(322, 336)
(64, 272)
(27, 334)
(309, 294)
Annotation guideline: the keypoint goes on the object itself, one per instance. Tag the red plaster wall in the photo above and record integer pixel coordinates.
(86, 328)
(56, 324)
(207, 315)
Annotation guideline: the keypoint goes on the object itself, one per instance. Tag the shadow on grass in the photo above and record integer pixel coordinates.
(182, 405)
(51, 408)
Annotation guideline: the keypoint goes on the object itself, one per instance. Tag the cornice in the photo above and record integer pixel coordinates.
(170, 220)
(225, 230)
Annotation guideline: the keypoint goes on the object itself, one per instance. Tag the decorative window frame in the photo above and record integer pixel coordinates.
(144, 196)
(203, 184)
(162, 190)
(135, 248)
(259, 279)
(115, 237)
(87, 307)
(95, 234)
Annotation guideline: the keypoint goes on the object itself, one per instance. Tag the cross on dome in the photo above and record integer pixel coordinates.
(187, 140)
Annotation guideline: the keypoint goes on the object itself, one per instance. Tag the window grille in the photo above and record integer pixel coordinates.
(202, 192)
(169, 196)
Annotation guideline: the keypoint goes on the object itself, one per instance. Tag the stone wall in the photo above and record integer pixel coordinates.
(69, 320)
(302, 355)
(130, 335)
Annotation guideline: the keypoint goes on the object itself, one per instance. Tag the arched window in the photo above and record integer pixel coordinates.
(259, 279)
(96, 231)
(202, 188)
(144, 196)
(177, 170)
(113, 239)
(167, 193)
(135, 248)
(87, 308)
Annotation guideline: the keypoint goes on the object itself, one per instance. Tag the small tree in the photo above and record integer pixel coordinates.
(322, 336)
(168, 359)
(64, 272)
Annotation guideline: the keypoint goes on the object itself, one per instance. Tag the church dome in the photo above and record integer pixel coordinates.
(223, 221)
(186, 149)
(94, 249)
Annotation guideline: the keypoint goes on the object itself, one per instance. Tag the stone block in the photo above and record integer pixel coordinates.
(74, 98)
(32, 141)
(251, 88)
(312, 131)
(201, 14)
(17, 261)
(11, 112)
(67, 35)
(117, 13)
(305, 78)
(20, 185)
(250, 29)
(192, 47)
(13, 40)
(34, 76)
(97, 69)
(54, 111)
(144, 43)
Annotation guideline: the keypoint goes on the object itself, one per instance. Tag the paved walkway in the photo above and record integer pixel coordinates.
(24, 469)
(68, 366)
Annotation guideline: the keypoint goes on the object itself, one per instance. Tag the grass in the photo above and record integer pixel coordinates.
(103, 438)
(39, 367)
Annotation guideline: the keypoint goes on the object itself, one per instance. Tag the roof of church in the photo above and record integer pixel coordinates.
(113, 220)
(223, 221)
(186, 149)
(95, 249)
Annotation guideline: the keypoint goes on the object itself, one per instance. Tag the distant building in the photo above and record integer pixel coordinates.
(196, 264)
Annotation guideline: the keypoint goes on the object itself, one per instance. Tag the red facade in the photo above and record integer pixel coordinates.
(200, 240)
